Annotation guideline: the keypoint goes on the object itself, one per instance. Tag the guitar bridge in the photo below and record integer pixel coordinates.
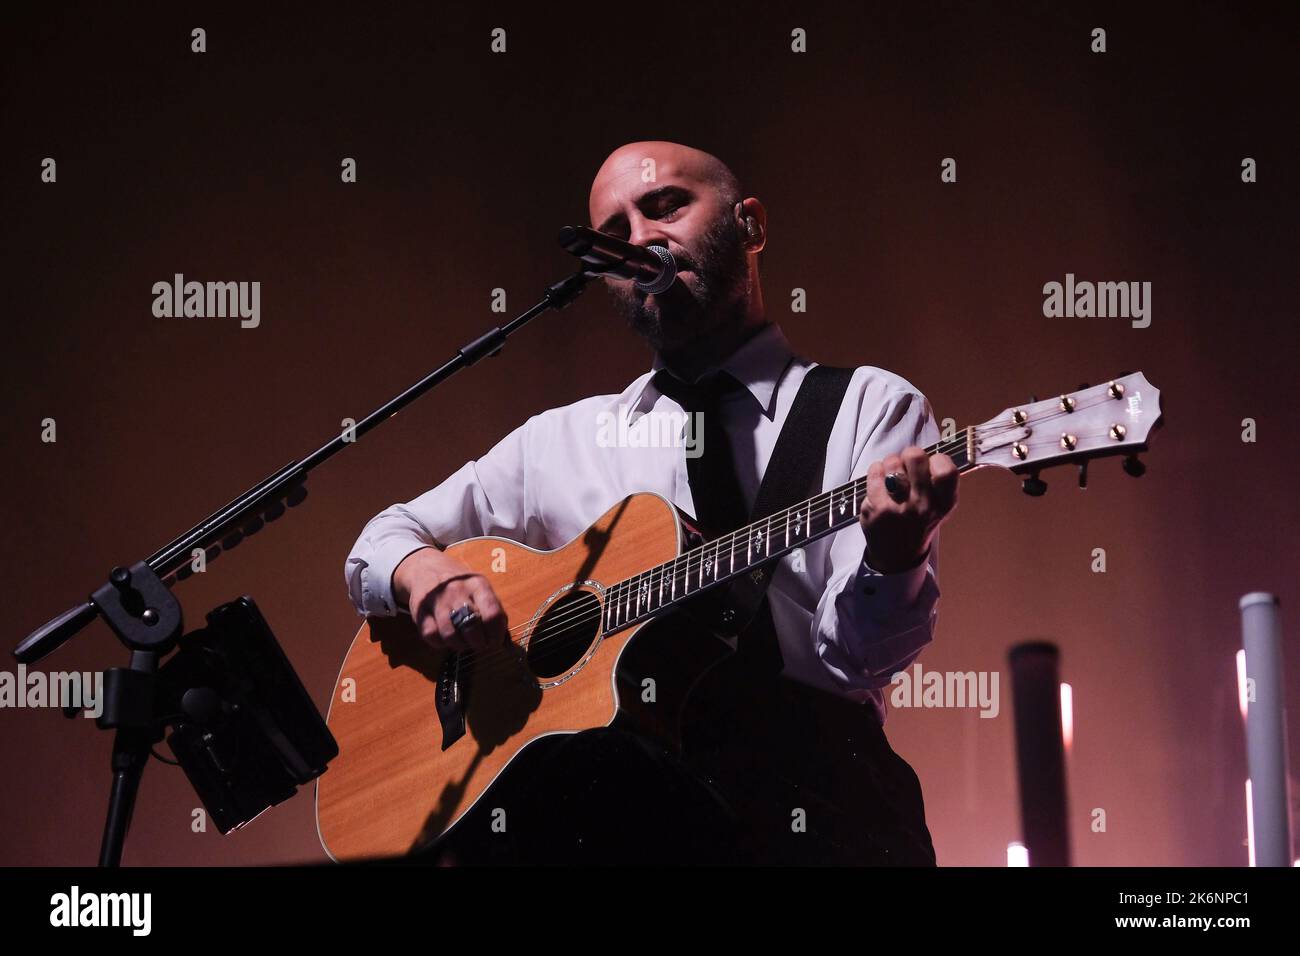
(449, 701)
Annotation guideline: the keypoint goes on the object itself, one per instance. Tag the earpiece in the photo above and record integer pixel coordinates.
(751, 230)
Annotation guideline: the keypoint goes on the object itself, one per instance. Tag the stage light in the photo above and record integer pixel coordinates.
(1067, 716)
(1250, 827)
(1242, 699)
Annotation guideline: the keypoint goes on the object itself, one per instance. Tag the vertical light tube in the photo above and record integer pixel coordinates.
(1040, 752)
(1269, 818)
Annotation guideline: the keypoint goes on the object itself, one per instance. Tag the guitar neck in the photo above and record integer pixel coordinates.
(664, 586)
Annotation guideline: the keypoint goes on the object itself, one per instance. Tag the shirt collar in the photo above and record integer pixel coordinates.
(758, 364)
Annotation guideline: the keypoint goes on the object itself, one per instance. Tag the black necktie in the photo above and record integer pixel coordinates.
(720, 508)
(719, 502)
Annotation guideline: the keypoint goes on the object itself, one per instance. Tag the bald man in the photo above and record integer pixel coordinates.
(818, 785)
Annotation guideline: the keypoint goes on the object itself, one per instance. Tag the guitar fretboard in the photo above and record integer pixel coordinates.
(742, 551)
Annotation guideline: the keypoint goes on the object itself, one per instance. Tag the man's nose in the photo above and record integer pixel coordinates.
(646, 232)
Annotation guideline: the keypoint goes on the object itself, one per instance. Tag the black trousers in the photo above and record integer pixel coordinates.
(599, 797)
(799, 788)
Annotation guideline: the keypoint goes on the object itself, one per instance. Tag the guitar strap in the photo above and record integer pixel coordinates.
(794, 473)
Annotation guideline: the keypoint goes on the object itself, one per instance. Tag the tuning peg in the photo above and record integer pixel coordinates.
(1083, 385)
(1134, 467)
(1034, 486)
(1083, 474)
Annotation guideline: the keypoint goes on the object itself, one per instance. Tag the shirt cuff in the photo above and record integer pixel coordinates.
(889, 593)
(897, 612)
(377, 577)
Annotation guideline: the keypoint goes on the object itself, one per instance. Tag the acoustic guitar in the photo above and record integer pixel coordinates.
(423, 733)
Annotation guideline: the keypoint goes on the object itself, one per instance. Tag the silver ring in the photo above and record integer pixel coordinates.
(464, 617)
(895, 490)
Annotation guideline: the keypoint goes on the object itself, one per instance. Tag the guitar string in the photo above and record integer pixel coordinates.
(559, 626)
(580, 617)
(684, 565)
(548, 630)
(672, 570)
(690, 563)
(564, 624)
(577, 624)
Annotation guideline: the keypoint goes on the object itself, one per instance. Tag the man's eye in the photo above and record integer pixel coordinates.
(671, 212)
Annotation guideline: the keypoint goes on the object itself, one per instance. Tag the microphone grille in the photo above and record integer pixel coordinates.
(665, 278)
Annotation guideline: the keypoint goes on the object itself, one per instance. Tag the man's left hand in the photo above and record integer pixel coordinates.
(899, 531)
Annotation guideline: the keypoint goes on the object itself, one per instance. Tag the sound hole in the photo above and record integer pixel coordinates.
(564, 634)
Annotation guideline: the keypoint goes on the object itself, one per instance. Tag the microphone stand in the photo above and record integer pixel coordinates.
(138, 605)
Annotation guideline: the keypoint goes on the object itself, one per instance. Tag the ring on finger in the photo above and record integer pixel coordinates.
(895, 487)
(464, 617)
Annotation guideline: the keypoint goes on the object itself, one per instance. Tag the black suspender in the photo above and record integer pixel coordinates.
(794, 473)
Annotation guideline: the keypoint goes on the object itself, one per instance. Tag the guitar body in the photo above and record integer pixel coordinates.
(423, 733)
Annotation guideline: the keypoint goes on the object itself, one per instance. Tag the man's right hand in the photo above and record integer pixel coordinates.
(432, 585)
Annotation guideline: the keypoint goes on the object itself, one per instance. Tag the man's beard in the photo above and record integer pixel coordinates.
(674, 318)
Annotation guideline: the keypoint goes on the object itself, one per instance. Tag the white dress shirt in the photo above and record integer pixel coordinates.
(842, 626)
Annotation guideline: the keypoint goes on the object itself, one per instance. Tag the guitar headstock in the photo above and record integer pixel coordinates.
(1113, 418)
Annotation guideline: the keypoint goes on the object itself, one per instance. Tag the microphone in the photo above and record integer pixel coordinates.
(653, 267)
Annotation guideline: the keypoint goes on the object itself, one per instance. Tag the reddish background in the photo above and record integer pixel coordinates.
(225, 166)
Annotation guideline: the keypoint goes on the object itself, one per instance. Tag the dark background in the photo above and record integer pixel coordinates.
(225, 166)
